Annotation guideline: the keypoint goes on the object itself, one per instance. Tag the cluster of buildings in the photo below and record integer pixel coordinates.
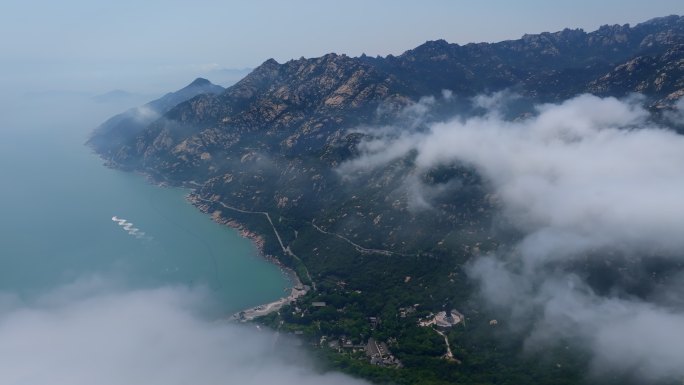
(378, 353)
(443, 320)
(342, 343)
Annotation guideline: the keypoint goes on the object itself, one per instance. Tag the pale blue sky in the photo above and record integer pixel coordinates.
(157, 45)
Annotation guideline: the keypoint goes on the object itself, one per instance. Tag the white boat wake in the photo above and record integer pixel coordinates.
(128, 227)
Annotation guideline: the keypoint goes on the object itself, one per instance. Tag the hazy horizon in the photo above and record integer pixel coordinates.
(149, 48)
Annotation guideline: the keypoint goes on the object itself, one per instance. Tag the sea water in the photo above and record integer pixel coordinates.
(65, 217)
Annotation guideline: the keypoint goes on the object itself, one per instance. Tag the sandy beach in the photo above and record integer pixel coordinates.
(298, 289)
(258, 311)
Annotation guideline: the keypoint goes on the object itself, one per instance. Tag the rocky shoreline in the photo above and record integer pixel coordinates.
(298, 289)
(217, 216)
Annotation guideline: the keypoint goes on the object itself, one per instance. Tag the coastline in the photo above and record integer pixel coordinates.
(298, 288)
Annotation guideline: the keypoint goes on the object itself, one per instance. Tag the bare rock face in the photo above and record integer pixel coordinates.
(651, 75)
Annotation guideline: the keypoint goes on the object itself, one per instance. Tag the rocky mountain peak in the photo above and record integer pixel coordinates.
(266, 70)
(256, 81)
(615, 28)
(665, 21)
(199, 82)
(269, 65)
(430, 47)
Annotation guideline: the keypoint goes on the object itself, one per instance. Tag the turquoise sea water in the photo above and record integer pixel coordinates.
(57, 201)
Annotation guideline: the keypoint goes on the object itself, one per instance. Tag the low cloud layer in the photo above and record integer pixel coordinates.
(90, 333)
(584, 174)
(587, 178)
(676, 115)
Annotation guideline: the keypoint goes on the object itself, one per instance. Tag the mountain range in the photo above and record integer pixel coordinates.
(292, 139)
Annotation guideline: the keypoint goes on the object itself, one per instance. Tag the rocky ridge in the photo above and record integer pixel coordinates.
(273, 140)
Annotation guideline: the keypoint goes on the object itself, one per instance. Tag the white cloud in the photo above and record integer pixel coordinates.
(495, 101)
(93, 334)
(587, 173)
(579, 175)
(447, 94)
(625, 335)
(581, 178)
(676, 116)
(145, 114)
